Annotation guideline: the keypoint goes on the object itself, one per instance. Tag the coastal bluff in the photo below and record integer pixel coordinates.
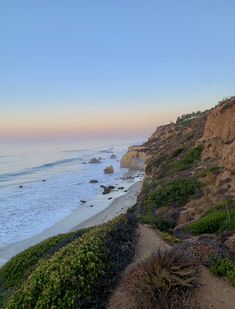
(135, 158)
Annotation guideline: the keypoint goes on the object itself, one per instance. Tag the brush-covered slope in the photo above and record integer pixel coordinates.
(190, 170)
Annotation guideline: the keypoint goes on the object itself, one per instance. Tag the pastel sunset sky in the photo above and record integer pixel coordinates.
(106, 67)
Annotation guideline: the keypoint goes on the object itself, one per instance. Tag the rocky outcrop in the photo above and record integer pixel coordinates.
(113, 156)
(109, 170)
(168, 153)
(107, 190)
(95, 161)
(135, 158)
(219, 135)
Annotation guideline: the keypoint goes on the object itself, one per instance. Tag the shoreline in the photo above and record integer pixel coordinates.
(118, 206)
(77, 220)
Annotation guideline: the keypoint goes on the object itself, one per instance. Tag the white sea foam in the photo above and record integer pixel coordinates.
(28, 211)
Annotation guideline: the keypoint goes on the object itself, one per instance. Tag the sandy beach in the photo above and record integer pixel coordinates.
(81, 218)
(117, 207)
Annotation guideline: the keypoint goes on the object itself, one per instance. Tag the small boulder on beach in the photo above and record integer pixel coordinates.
(94, 161)
(109, 170)
(113, 156)
(93, 181)
(107, 190)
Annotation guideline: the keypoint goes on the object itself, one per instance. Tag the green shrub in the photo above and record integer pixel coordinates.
(163, 279)
(223, 267)
(81, 274)
(216, 170)
(227, 226)
(20, 266)
(170, 239)
(148, 184)
(175, 193)
(190, 158)
(162, 223)
(211, 223)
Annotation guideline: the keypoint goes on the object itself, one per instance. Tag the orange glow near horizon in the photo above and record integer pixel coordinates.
(86, 123)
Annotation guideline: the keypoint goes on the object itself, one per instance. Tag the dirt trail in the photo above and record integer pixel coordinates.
(214, 293)
(149, 241)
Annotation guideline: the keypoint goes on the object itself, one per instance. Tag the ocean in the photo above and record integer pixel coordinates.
(41, 183)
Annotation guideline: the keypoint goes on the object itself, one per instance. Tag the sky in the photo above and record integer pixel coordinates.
(71, 68)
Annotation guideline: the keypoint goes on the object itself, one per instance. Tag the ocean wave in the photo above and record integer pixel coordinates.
(35, 169)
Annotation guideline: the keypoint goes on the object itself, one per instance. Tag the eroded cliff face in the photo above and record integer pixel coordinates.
(219, 135)
(135, 158)
(167, 157)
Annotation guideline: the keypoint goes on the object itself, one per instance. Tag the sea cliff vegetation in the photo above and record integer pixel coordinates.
(80, 274)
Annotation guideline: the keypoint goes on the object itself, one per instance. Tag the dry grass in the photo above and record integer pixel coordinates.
(164, 280)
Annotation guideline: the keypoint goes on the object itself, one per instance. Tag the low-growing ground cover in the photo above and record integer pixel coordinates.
(20, 266)
(222, 267)
(174, 193)
(216, 221)
(82, 274)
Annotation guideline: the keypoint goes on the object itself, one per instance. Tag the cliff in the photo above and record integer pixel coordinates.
(199, 147)
(219, 135)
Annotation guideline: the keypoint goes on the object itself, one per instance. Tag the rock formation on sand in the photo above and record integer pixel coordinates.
(135, 158)
(93, 181)
(109, 170)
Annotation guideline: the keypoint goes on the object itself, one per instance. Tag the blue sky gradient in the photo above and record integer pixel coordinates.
(79, 57)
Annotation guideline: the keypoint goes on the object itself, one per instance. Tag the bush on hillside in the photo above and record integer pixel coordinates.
(164, 224)
(211, 223)
(223, 267)
(175, 193)
(173, 165)
(20, 265)
(82, 274)
(170, 239)
(164, 279)
(14, 272)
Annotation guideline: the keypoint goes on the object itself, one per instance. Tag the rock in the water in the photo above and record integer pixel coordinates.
(20, 187)
(121, 188)
(94, 160)
(93, 181)
(83, 201)
(113, 156)
(43, 180)
(109, 170)
(109, 198)
(108, 189)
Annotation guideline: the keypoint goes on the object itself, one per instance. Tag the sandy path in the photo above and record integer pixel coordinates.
(213, 293)
(149, 241)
